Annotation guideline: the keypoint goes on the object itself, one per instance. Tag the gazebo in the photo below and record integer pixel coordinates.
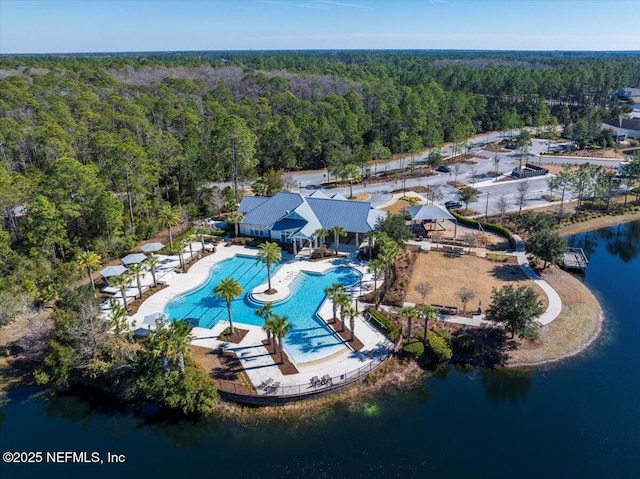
(432, 214)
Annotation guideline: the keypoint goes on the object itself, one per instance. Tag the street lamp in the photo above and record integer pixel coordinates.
(486, 208)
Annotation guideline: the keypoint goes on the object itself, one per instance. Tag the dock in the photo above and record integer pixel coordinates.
(575, 259)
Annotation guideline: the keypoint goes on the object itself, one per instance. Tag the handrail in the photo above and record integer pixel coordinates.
(307, 389)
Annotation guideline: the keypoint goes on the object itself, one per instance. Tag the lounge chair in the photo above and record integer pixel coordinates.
(326, 380)
(265, 384)
(315, 381)
(273, 388)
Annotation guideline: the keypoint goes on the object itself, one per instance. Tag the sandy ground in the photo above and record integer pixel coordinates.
(448, 275)
(572, 332)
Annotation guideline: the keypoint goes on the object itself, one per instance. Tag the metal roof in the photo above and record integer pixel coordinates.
(249, 203)
(310, 213)
(272, 209)
(351, 215)
(374, 216)
(429, 212)
(318, 194)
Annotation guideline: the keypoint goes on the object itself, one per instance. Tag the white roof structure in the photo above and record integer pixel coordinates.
(429, 212)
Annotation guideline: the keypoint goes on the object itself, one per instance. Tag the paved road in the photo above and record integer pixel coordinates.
(476, 175)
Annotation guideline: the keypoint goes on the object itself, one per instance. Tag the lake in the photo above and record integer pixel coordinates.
(576, 419)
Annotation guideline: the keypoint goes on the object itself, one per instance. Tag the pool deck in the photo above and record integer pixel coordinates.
(252, 354)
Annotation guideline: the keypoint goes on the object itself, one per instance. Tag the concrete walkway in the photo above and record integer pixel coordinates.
(555, 303)
(252, 354)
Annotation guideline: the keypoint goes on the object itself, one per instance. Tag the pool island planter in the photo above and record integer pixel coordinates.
(230, 391)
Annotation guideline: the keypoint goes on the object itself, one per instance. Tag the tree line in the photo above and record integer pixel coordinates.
(94, 147)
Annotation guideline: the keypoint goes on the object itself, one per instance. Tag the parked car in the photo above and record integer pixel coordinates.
(452, 205)
(443, 169)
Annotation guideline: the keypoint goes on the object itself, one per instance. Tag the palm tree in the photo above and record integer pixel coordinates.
(136, 270)
(281, 327)
(332, 293)
(376, 266)
(169, 217)
(322, 234)
(179, 335)
(152, 262)
(371, 236)
(351, 174)
(122, 281)
(189, 241)
(411, 313)
(428, 313)
(89, 260)
(235, 218)
(228, 289)
(337, 232)
(343, 301)
(266, 313)
(351, 313)
(269, 254)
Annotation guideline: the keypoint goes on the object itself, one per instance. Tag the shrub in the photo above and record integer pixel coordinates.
(386, 325)
(444, 334)
(413, 349)
(466, 347)
(439, 350)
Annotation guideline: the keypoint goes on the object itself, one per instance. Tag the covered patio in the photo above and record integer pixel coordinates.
(432, 215)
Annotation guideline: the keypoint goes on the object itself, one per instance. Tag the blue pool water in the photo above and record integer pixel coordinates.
(309, 339)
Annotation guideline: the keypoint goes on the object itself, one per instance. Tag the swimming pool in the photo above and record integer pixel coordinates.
(310, 338)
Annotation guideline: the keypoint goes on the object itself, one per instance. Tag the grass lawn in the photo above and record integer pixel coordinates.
(448, 275)
(397, 207)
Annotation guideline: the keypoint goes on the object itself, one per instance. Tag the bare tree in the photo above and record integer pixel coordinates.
(503, 206)
(36, 335)
(456, 171)
(423, 289)
(471, 240)
(465, 295)
(523, 190)
(496, 162)
(434, 194)
(474, 173)
(437, 238)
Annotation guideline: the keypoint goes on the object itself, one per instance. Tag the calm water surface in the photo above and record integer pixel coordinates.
(576, 419)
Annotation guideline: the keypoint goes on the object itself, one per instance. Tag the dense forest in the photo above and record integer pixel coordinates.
(92, 147)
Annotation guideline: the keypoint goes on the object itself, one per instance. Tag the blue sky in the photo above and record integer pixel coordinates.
(52, 26)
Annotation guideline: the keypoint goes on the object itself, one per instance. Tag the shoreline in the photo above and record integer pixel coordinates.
(597, 223)
(12, 382)
(567, 355)
(582, 315)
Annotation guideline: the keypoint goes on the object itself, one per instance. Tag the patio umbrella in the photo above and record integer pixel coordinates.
(134, 258)
(152, 247)
(153, 318)
(113, 271)
(142, 332)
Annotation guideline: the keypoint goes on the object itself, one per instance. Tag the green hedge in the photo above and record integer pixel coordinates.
(385, 324)
(499, 229)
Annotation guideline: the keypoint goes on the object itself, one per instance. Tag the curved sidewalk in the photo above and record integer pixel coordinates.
(555, 303)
